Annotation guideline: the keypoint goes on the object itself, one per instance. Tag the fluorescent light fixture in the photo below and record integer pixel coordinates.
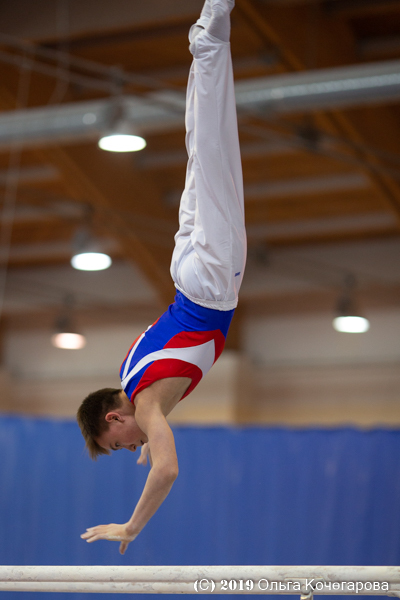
(68, 341)
(122, 142)
(91, 261)
(351, 324)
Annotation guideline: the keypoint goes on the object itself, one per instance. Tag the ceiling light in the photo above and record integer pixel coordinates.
(351, 324)
(122, 142)
(120, 135)
(66, 336)
(91, 261)
(68, 341)
(87, 254)
(348, 319)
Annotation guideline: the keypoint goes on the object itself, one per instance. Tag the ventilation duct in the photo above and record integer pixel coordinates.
(82, 120)
(344, 87)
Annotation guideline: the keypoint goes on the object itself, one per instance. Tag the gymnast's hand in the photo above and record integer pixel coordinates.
(144, 453)
(111, 532)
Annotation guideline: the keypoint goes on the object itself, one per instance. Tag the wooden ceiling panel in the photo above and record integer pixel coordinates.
(312, 207)
(137, 50)
(378, 24)
(163, 142)
(297, 164)
(43, 231)
(54, 188)
(350, 8)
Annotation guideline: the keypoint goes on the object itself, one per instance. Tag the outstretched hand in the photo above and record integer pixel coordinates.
(144, 454)
(111, 532)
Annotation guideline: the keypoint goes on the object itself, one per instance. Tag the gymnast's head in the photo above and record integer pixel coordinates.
(107, 422)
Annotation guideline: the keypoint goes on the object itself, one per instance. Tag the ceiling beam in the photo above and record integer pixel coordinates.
(329, 228)
(357, 132)
(303, 186)
(27, 175)
(178, 158)
(253, 18)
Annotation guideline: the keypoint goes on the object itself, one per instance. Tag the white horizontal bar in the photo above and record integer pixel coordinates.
(208, 579)
(110, 587)
(124, 587)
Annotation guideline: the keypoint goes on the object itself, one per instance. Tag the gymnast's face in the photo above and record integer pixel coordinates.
(123, 431)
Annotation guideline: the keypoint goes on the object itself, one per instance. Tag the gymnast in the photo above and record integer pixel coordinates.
(168, 360)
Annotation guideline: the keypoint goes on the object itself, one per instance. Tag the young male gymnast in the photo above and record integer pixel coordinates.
(168, 360)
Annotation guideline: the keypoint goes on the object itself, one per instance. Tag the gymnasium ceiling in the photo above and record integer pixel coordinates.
(322, 185)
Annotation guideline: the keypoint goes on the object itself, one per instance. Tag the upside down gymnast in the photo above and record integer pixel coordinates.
(168, 360)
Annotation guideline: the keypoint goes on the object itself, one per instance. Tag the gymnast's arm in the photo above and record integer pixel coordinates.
(164, 471)
(161, 477)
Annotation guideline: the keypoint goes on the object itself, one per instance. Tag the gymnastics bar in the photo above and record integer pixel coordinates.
(303, 580)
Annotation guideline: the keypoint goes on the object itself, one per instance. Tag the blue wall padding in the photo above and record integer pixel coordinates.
(243, 496)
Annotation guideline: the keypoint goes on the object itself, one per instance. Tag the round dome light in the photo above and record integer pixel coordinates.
(68, 341)
(120, 142)
(91, 261)
(351, 324)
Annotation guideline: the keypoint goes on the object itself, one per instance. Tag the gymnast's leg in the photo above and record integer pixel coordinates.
(210, 247)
